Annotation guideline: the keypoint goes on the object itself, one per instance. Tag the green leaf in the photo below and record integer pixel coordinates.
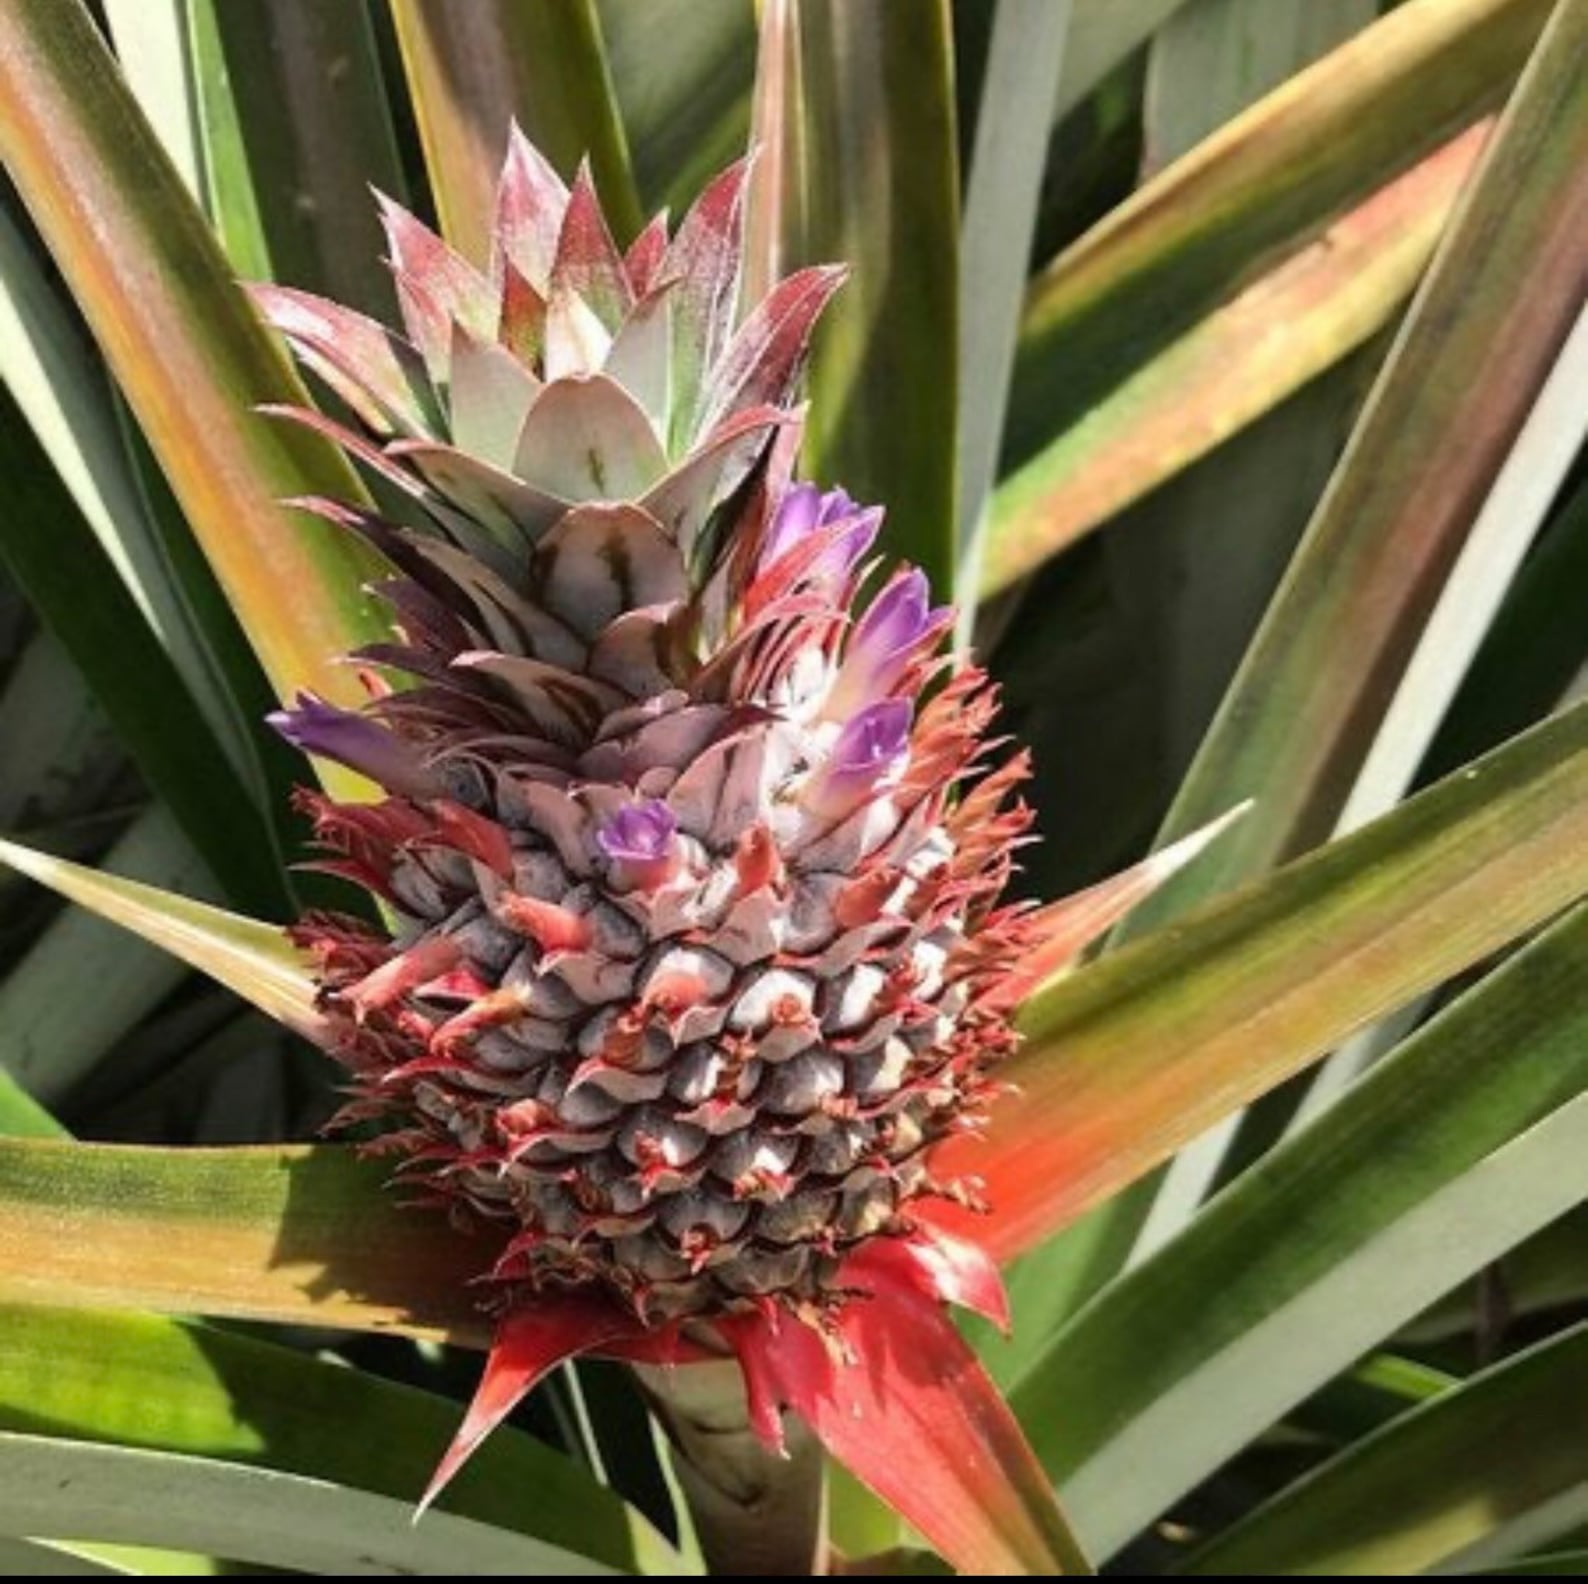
(1133, 1056)
(1488, 1469)
(21, 1116)
(171, 1386)
(1530, 653)
(1379, 1389)
(1470, 1137)
(1102, 34)
(473, 69)
(136, 1497)
(313, 133)
(881, 193)
(226, 189)
(1200, 236)
(35, 1558)
(682, 73)
(1213, 58)
(292, 1233)
(62, 390)
(1198, 595)
(249, 957)
(1425, 516)
(1548, 1272)
(1249, 499)
(71, 583)
(1001, 199)
(1556, 1564)
(183, 342)
(1464, 374)
(51, 1035)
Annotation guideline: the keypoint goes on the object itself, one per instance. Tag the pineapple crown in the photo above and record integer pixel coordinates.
(686, 836)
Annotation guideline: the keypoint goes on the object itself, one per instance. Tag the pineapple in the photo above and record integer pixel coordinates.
(691, 854)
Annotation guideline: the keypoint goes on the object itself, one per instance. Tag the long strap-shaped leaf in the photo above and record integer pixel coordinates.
(1509, 282)
(1467, 1139)
(274, 1232)
(877, 187)
(1279, 172)
(1457, 1474)
(136, 1497)
(472, 69)
(314, 131)
(1325, 297)
(1304, 709)
(1025, 54)
(249, 957)
(183, 342)
(173, 1386)
(1139, 1053)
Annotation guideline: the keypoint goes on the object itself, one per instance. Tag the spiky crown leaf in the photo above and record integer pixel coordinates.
(697, 947)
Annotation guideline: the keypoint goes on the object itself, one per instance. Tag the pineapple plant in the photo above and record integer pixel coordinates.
(674, 621)
(691, 849)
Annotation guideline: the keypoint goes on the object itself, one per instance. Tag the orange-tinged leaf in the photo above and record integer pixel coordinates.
(250, 957)
(299, 1234)
(1135, 1055)
(1503, 293)
(1264, 184)
(1072, 924)
(1247, 355)
(183, 342)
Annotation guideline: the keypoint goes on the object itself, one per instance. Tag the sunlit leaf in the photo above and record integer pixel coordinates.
(253, 959)
(1251, 351)
(473, 69)
(1439, 425)
(293, 1233)
(1140, 1052)
(183, 342)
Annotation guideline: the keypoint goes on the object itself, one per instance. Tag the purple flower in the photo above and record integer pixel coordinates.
(358, 742)
(849, 530)
(641, 833)
(641, 843)
(897, 627)
(868, 749)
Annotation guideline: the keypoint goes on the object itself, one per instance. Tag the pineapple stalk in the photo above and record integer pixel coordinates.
(756, 1514)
